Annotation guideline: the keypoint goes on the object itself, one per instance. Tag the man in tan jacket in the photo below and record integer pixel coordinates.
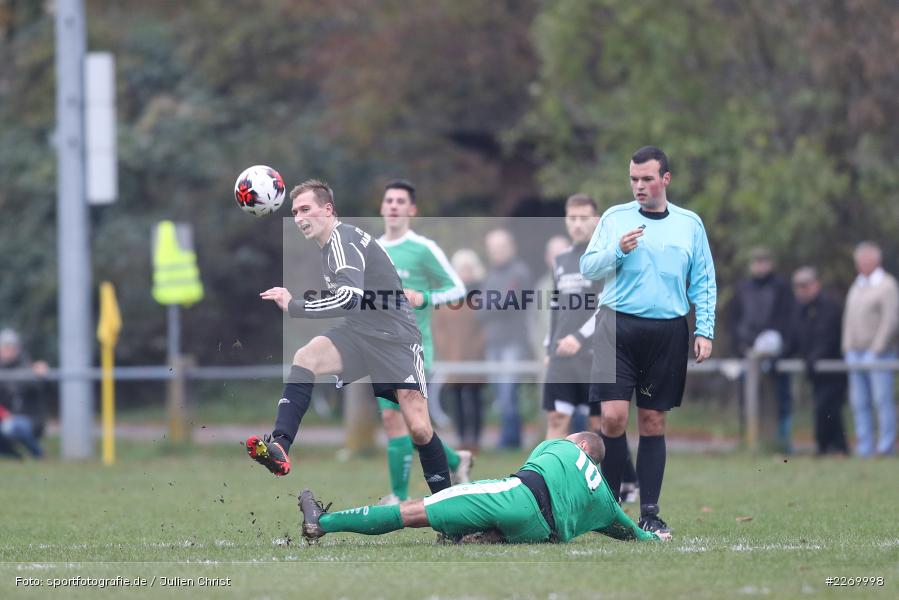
(870, 323)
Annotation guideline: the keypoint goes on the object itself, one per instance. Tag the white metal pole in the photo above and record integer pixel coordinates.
(73, 248)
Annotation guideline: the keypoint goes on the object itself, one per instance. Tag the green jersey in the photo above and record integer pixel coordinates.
(423, 267)
(581, 500)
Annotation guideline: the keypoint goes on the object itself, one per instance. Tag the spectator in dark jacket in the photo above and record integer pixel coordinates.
(818, 320)
(762, 308)
(505, 328)
(7, 445)
(22, 421)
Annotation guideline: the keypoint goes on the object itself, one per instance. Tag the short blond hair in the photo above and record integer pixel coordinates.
(596, 449)
(323, 192)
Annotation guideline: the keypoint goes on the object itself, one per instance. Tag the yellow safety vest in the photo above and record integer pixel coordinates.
(176, 277)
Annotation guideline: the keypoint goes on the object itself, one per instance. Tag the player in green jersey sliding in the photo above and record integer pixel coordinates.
(557, 495)
(428, 280)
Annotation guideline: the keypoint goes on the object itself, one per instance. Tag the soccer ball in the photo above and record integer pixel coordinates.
(259, 190)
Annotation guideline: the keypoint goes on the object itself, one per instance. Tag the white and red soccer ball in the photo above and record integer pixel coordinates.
(259, 190)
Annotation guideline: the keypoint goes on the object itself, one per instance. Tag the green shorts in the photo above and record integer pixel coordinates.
(503, 504)
(385, 404)
(392, 403)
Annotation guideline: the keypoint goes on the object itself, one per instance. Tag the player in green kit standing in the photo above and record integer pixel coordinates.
(557, 495)
(428, 280)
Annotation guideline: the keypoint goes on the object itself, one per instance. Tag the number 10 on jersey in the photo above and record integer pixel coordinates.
(591, 473)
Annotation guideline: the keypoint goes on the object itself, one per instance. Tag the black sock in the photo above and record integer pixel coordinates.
(434, 464)
(651, 467)
(629, 475)
(613, 463)
(293, 405)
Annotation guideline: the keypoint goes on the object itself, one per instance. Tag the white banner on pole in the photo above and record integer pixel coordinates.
(102, 181)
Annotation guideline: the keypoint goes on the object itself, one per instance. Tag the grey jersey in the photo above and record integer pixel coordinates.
(363, 286)
(576, 299)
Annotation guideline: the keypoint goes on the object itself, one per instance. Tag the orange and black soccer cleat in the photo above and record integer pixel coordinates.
(269, 454)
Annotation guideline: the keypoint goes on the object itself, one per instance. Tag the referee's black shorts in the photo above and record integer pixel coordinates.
(650, 358)
(391, 365)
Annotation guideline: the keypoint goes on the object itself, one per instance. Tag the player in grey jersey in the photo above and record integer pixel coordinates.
(379, 336)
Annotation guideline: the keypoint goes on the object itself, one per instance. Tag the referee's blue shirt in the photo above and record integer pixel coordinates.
(651, 280)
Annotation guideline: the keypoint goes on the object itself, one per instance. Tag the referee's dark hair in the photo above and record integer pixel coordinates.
(648, 153)
(402, 184)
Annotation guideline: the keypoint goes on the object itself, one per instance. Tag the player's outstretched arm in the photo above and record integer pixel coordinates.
(346, 299)
(623, 528)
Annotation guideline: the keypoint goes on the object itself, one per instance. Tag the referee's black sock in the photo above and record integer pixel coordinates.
(629, 475)
(293, 405)
(613, 463)
(651, 467)
(434, 465)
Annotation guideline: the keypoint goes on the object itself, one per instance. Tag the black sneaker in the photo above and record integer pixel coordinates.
(312, 511)
(650, 520)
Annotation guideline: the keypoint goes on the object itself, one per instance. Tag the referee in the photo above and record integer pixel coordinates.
(655, 260)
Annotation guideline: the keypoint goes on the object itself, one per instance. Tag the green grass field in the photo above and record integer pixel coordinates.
(744, 527)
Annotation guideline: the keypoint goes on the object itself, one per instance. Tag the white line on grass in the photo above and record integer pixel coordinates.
(588, 552)
(751, 590)
(770, 547)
